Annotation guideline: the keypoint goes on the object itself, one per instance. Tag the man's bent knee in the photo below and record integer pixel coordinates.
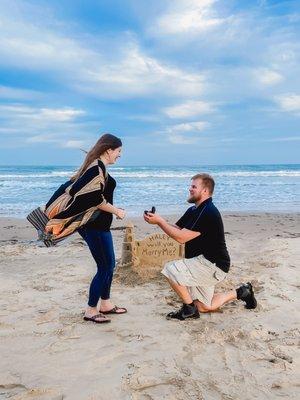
(203, 307)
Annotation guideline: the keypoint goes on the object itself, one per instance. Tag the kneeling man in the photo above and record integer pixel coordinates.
(206, 261)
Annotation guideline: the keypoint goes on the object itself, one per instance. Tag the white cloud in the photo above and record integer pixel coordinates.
(7, 92)
(74, 144)
(20, 111)
(268, 77)
(286, 139)
(41, 139)
(135, 73)
(23, 124)
(35, 41)
(186, 133)
(181, 139)
(190, 126)
(107, 69)
(189, 109)
(143, 118)
(52, 138)
(188, 16)
(289, 102)
(55, 114)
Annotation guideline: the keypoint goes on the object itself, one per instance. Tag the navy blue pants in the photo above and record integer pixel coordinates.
(101, 246)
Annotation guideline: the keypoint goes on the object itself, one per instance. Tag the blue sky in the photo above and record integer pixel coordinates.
(180, 81)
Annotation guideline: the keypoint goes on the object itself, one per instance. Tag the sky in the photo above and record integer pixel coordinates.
(181, 82)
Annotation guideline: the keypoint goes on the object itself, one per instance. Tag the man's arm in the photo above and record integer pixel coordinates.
(180, 235)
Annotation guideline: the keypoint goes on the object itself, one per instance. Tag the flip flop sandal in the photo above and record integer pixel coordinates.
(94, 319)
(115, 310)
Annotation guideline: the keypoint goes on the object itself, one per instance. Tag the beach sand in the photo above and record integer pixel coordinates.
(49, 352)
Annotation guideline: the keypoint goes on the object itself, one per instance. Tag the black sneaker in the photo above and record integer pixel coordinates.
(246, 294)
(186, 311)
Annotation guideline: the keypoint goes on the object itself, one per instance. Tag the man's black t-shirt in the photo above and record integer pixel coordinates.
(207, 220)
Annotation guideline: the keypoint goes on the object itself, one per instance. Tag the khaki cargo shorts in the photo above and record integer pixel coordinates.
(198, 274)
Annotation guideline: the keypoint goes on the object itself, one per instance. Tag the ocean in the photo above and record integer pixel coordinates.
(241, 188)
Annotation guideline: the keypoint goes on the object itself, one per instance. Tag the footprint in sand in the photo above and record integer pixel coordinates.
(42, 288)
(18, 391)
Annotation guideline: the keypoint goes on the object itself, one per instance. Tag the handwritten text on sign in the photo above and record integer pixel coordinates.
(157, 249)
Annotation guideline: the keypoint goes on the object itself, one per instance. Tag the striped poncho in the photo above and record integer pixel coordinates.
(72, 205)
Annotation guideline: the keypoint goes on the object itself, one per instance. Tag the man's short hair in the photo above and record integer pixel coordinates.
(208, 181)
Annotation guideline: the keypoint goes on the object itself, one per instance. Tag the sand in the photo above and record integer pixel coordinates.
(49, 352)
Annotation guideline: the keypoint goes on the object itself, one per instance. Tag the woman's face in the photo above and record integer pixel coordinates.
(113, 155)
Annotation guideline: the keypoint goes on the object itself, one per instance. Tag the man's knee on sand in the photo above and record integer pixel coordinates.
(203, 307)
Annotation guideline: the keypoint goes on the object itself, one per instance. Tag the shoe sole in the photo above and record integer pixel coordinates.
(253, 298)
(183, 319)
(95, 321)
(253, 306)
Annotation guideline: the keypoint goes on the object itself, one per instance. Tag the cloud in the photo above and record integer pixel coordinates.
(289, 102)
(188, 16)
(52, 138)
(23, 124)
(20, 111)
(13, 93)
(28, 43)
(136, 74)
(143, 117)
(285, 139)
(75, 144)
(201, 57)
(190, 126)
(105, 68)
(41, 139)
(186, 133)
(180, 139)
(65, 114)
(189, 109)
(268, 77)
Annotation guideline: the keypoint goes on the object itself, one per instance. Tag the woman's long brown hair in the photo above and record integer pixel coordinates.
(106, 141)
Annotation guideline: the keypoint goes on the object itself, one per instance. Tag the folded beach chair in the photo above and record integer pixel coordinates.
(39, 220)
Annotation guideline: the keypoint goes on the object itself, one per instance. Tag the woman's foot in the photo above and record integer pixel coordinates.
(98, 318)
(92, 314)
(115, 310)
(106, 307)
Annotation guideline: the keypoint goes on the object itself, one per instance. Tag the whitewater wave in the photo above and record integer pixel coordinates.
(175, 174)
(38, 175)
(158, 174)
(148, 172)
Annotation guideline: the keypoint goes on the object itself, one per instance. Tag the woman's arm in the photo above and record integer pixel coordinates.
(107, 207)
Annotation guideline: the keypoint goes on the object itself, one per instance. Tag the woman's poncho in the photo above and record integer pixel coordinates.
(73, 205)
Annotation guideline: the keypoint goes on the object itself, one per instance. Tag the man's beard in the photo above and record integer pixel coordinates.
(192, 200)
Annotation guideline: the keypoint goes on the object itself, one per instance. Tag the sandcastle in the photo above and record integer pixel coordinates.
(152, 251)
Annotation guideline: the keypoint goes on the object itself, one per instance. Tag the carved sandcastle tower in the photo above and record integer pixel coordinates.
(129, 258)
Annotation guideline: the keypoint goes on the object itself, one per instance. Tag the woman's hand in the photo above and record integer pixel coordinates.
(120, 213)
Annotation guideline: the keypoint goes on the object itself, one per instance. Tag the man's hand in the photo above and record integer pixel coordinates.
(180, 235)
(153, 219)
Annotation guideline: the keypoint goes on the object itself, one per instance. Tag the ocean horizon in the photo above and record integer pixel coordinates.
(240, 188)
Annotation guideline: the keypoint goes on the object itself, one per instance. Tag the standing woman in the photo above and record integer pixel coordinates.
(98, 236)
(86, 203)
